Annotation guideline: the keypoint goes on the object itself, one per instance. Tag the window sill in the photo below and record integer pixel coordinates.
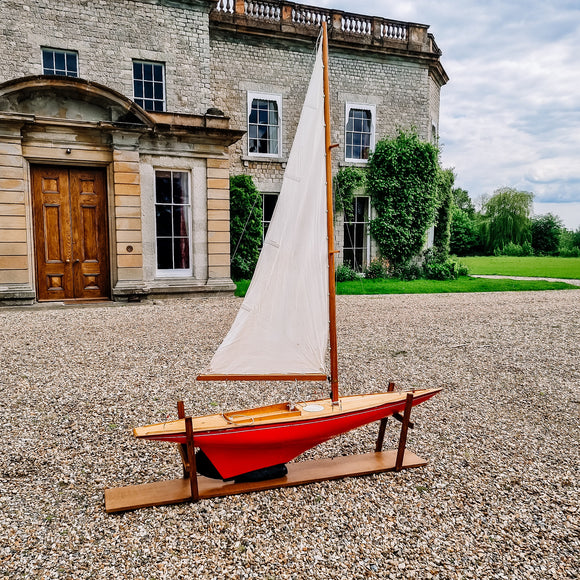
(353, 163)
(246, 159)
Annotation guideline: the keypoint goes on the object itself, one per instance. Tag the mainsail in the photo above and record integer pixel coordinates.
(282, 326)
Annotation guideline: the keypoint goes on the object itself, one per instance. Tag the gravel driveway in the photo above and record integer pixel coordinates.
(499, 498)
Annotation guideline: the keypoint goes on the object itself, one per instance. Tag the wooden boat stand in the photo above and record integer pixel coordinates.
(193, 487)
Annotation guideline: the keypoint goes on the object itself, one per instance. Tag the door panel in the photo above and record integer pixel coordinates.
(70, 232)
(89, 234)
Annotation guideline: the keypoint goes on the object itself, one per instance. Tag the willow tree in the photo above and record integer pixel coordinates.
(506, 218)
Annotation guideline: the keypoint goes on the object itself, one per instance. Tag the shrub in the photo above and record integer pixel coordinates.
(517, 250)
(347, 181)
(432, 265)
(546, 232)
(378, 268)
(437, 266)
(402, 183)
(573, 252)
(464, 233)
(344, 273)
(245, 226)
(410, 271)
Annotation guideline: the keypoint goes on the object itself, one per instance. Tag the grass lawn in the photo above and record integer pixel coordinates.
(464, 284)
(549, 267)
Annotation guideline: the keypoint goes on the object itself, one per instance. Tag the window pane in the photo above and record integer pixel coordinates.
(164, 254)
(158, 73)
(148, 71)
(158, 91)
(137, 70)
(263, 117)
(348, 257)
(163, 186)
(359, 236)
(71, 63)
(181, 253)
(163, 220)
(273, 117)
(180, 191)
(148, 90)
(274, 140)
(253, 146)
(59, 61)
(253, 113)
(180, 225)
(158, 106)
(47, 61)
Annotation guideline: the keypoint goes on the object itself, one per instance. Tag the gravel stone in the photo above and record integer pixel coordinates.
(499, 497)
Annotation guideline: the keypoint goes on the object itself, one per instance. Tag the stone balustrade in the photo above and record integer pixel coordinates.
(345, 26)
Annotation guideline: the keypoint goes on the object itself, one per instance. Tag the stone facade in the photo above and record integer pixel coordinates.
(214, 55)
(269, 48)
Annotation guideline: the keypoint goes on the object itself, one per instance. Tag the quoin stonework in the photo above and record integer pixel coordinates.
(121, 122)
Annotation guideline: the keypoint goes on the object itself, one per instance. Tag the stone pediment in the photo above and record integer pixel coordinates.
(70, 99)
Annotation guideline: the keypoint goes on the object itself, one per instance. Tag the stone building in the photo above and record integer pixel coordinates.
(121, 121)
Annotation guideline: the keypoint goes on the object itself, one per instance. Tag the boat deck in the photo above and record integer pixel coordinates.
(280, 413)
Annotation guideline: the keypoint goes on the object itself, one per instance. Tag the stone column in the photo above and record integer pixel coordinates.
(15, 269)
(218, 220)
(127, 217)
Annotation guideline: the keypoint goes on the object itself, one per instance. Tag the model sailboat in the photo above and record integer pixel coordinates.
(287, 320)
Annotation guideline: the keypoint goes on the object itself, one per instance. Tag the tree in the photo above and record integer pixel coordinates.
(402, 183)
(442, 233)
(245, 226)
(506, 218)
(463, 201)
(464, 233)
(546, 232)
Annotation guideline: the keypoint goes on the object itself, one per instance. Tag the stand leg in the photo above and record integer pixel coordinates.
(404, 429)
(383, 426)
(381, 437)
(191, 456)
(180, 446)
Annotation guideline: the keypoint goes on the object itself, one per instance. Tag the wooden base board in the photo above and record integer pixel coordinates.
(179, 490)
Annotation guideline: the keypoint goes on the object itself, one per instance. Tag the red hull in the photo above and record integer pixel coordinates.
(234, 451)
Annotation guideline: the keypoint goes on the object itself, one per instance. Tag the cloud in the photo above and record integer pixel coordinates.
(510, 115)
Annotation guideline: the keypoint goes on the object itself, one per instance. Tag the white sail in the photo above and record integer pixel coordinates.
(282, 326)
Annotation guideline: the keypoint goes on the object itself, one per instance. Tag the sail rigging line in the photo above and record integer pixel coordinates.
(244, 230)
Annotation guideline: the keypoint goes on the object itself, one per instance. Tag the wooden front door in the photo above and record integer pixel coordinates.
(70, 228)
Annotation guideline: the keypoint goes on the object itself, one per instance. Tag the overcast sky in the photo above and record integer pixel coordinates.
(510, 114)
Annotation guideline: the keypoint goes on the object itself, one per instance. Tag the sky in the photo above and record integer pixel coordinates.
(510, 113)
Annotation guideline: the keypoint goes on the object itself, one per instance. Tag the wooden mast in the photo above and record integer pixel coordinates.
(329, 222)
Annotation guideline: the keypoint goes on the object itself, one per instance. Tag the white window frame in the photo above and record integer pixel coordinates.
(174, 272)
(365, 224)
(54, 51)
(164, 83)
(265, 222)
(265, 97)
(363, 107)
